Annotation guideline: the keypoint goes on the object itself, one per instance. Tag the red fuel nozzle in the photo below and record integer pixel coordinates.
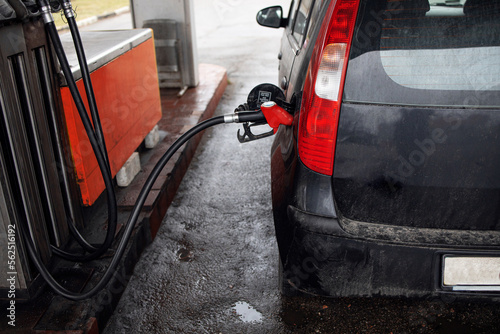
(275, 115)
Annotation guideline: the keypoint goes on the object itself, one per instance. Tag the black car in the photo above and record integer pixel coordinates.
(388, 182)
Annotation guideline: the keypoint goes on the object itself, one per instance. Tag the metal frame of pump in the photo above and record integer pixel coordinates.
(260, 109)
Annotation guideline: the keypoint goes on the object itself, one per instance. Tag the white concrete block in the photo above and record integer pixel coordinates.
(130, 169)
(153, 138)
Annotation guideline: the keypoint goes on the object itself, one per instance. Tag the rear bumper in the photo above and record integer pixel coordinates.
(323, 259)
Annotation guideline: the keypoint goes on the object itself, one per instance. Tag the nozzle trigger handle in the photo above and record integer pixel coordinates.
(275, 115)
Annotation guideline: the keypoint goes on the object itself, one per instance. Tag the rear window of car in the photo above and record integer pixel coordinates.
(417, 52)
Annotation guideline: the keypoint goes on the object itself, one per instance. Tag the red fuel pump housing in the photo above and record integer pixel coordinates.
(125, 80)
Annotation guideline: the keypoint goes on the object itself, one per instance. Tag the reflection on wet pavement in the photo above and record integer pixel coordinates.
(246, 312)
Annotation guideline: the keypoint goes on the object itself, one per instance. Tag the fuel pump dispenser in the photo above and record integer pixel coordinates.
(33, 190)
(265, 105)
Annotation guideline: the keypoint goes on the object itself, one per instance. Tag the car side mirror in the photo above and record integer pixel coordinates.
(271, 17)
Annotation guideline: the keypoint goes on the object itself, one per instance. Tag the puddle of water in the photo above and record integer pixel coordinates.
(247, 313)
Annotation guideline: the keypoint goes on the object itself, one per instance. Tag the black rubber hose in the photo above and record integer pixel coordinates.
(68, 11)
(103, 166)
(129, 227)
(78, 237)
(82, 60)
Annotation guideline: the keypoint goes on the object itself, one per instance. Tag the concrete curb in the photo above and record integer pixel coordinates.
(94, 19)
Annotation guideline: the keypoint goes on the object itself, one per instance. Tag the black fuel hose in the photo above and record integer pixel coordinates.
(132, 220)
(102, 162)
(82, 60)
(78, 237)
(68, 12)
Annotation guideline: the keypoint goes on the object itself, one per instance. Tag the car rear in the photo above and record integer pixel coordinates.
(393, 187)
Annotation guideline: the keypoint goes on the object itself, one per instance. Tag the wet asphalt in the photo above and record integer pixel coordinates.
(213, 265)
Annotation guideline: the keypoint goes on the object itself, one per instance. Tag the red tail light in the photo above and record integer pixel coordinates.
(323, 87)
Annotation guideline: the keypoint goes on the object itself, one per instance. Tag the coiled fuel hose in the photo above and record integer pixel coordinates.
(242, 117)
(252, 116)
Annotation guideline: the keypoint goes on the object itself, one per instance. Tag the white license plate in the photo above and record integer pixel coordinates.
(471, 273)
